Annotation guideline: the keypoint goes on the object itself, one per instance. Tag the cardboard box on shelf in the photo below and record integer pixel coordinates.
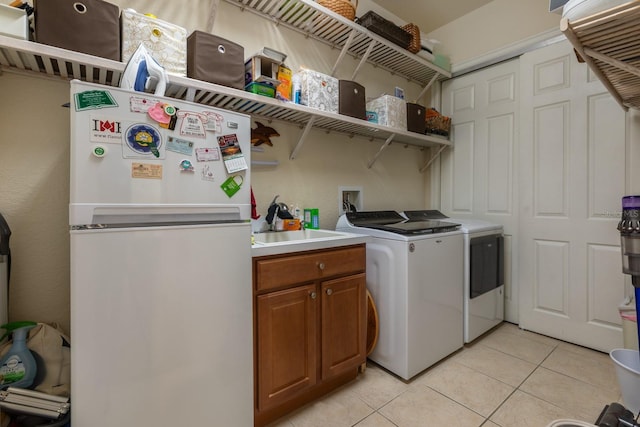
(284, 77)
(166, 42)
(391, 111)
(319, 90)
(263, 67)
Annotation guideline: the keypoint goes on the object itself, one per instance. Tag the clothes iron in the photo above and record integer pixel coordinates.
(141, 70)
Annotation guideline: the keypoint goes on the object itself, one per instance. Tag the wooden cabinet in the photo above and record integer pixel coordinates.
(310, 326)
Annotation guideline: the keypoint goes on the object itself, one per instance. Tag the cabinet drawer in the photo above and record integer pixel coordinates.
(295, 269)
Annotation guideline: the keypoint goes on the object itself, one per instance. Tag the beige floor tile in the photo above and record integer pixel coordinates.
(578, 349)
(568, 393)
(518, 345)
(421, 406)
(586, 365)
(376, 387)
(524, 410)
(490, 424)
(283, 422)
(515, 329)
(375, 420)
(467, 386)
(498, 365)
(342, 408)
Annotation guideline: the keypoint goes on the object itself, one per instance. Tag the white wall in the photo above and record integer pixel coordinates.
(34, 195)
(34, 157)
(494, 26)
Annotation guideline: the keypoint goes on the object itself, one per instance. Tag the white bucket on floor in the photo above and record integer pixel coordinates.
(628, 371)
(570, 423)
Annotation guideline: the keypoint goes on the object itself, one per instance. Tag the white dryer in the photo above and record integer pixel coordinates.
(483, 271)
(415, 275)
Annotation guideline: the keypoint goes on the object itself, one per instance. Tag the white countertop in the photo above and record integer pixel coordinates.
(281, 242)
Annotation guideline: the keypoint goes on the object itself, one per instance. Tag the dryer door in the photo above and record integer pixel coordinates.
(486, 264)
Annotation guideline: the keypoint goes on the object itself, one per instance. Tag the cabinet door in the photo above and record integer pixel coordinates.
(287, 344)
(344, 324)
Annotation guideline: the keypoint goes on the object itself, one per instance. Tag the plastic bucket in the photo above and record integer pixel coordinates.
(570, 423)
(627, 364)
(629, 327)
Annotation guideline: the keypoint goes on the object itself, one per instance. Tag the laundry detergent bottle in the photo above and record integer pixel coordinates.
(17, 367)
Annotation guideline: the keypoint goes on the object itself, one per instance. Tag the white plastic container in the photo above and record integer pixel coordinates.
(570, 423)
(13, 22)
(629, 327)
(627, 364)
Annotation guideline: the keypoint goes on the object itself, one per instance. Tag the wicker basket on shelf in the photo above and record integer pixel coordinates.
(414, 44)
(341, 7)
(437, 124)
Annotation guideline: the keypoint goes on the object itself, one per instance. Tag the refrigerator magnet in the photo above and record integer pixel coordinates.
(213, 121)
(106, 130)
(145, 170)
(192, 124)
(94, 99)
(139, 104)
(142, 141)
(181, 146)
(232, 185)
(186, 166)
(207, 154)
(207, 173)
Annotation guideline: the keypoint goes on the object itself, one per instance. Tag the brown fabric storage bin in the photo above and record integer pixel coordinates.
(352, 101)
(215, 60)
(87, 26)
(416, 118)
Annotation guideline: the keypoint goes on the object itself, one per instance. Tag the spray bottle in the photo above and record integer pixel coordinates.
(18, 366)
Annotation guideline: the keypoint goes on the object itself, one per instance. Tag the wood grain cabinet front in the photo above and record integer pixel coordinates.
(310, 326)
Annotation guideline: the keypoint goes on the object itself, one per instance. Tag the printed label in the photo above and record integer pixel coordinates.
(145, 170)
(12, 370)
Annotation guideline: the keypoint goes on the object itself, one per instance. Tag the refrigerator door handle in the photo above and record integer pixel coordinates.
(101, 217)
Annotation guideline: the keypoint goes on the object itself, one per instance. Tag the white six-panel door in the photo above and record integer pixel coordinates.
(477, 175)
(572, 171)
(541, 147)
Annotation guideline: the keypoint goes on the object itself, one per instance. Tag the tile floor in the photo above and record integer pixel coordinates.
(507, 378)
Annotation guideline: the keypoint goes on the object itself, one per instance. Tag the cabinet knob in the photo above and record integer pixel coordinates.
(312, 295)
(329, 291)
(321, 265)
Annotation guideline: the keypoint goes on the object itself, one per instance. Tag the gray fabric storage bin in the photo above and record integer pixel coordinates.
(212, 59)
(87, 26)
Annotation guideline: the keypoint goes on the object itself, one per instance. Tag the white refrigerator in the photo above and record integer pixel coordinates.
(161, 321)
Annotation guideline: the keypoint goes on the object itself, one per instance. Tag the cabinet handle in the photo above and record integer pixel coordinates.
(312, 294)
(321, 265)
(329, 291)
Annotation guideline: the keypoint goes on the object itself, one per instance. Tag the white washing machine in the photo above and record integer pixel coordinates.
(415, 276)
(483, 271)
